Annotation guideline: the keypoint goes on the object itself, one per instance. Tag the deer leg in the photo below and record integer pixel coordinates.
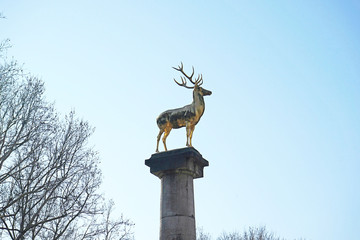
(158, 139)
(187, 134)
(167, 132)
(192, 128)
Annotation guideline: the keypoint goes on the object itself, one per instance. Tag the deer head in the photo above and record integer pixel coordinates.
(197, 83)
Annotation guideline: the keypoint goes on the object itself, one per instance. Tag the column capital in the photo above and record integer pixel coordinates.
(184, 160)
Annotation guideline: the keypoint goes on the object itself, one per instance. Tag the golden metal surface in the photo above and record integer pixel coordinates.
(187, 116)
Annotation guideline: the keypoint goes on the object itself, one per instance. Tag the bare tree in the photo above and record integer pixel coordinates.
(201, 235)
(49, 177)
(4, 45)
(257, 233)
(230, 236)
(105, 228)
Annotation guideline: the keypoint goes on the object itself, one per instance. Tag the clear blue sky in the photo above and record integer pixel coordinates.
(281, 130)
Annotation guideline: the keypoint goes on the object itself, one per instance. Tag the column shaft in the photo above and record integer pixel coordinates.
(177, 207)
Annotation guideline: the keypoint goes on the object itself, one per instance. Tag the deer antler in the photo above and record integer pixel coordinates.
(197, 82)
(183, 84)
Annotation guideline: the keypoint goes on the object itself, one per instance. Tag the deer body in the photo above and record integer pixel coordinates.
(187, 116)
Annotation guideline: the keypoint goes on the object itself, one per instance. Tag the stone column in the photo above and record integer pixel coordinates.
(177, 169)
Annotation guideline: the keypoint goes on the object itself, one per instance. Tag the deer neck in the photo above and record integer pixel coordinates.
(198, 103)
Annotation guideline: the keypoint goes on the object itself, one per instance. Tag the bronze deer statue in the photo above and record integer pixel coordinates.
(187, 116)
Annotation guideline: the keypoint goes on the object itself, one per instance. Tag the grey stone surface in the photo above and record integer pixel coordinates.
(177, 169)
(183, 159)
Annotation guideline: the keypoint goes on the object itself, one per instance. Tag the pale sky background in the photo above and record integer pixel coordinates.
(281, 130)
